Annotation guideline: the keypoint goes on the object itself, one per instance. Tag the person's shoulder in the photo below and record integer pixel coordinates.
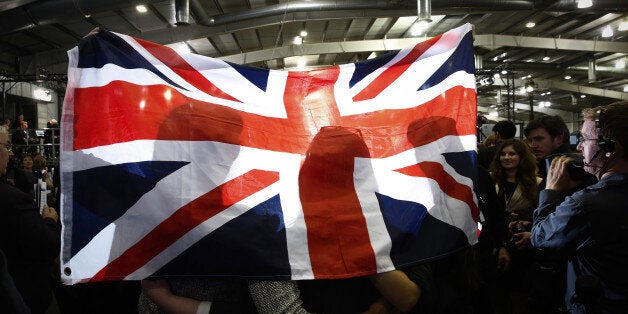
(12, 198)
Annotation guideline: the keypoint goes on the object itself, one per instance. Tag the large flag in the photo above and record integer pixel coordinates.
(179, 164)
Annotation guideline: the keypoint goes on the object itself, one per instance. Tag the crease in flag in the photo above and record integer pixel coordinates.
(175, 164)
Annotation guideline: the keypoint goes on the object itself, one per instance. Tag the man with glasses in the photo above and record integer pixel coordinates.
(590, 227)
(30, 240)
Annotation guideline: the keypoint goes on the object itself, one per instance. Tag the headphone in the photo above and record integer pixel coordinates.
(605, 145)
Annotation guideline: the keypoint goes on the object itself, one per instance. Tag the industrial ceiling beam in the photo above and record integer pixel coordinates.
(400, 43)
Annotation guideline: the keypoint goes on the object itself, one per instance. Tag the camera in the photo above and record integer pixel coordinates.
(575, 168)
(518, 227)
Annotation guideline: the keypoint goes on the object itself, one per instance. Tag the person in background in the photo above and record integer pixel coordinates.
(589, 227)
(51, 136)
(6, 124)
(30, 240)
(25, 178)
(18, 122)
(491, 254)
(514, 172)
(502, 130)
(547, 135)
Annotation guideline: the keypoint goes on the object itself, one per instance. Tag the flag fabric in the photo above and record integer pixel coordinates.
(175, 164)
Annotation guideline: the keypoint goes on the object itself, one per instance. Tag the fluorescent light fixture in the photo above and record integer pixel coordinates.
(568, 77)
(530, 24)
(625, 88)
(141, 8)
(42, 94)
(303, 33)
(504, 72)
(607, 31)
(584, 4)
(620, 64)
(623, 26)
(298, 40)
(583, 96)
(546, 58)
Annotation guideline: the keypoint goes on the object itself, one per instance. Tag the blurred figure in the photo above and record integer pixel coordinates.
(18, 122)
(20, 139)
(51, 136)
(6, 124)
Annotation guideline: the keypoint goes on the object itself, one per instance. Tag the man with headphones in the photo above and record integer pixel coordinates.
(590, 227)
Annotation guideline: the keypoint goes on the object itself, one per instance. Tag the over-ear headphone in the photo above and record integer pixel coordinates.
(605, 145)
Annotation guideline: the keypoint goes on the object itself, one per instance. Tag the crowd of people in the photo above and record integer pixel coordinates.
(553, 240)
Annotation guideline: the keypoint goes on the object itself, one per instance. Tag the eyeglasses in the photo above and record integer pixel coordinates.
(582, 140)
(7, 146)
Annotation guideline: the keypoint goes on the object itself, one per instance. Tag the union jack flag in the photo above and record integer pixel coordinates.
(180, 164)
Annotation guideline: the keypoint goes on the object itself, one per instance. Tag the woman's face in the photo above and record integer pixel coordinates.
(27, 162)
(509, 158)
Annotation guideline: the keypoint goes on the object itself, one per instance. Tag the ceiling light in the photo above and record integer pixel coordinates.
(530, 24)
(496, 75)
(625, 88)
(546, 58)
(303, 33)
(607, 31)
(568, 77)
(504, 72)
(620, 64)
(584, 4)
(141, 8)
(298, 40)
(42, 94)
(530, 86)
(486, 81)
(623, 26)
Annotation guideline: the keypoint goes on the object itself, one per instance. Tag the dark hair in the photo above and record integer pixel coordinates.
(554, 125)
(505, 128)
(526, 171)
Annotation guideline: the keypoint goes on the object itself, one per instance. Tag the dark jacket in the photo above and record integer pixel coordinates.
(590, 229)
(30, 244)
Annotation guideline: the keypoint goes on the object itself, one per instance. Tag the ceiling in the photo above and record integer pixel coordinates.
(35, 35)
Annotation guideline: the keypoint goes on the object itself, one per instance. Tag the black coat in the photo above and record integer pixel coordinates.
(30, 244)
